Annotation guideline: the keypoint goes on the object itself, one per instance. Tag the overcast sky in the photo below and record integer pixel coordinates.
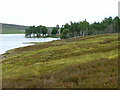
(53, 12)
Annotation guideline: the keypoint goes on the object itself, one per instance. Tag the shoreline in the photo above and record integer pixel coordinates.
(7, 53)
(3, 55)
(19, 42)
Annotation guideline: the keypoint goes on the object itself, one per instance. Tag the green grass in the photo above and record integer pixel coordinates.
(12, 31)
(81, 62)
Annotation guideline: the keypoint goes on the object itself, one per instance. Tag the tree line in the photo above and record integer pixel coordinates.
(38, 31)
(83, 28)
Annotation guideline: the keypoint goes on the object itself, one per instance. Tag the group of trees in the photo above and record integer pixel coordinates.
(38, 31)
(55, 30)
(82, 28)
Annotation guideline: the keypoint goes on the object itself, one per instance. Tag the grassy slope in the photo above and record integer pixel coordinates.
(89, 61)
(17, 29)
(13, 29)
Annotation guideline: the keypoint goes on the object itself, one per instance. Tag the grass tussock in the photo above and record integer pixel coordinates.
(102, 73)
(80, 62)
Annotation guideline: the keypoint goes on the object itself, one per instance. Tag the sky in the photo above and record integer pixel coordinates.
(52, 12)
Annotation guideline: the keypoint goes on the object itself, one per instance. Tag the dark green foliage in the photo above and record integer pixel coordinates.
(44, 30)
(55, 30)
(36, 31)
(82, 28)
(108, 25)
(65, 33)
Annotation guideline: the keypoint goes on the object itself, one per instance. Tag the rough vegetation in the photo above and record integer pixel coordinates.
(81, 62)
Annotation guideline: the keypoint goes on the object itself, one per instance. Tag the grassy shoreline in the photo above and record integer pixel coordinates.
(66, 63)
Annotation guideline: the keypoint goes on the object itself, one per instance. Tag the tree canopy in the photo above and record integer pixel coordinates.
(55, 30)
(82, 28)
(36, 31)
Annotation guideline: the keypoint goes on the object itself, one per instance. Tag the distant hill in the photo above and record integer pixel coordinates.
(13, 29)
(16, 29)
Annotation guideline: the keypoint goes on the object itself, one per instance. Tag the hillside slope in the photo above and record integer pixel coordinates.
(16, 29)
(12, 28)
(82, 62)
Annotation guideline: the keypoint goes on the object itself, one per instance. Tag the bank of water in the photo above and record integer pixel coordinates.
(11, 41)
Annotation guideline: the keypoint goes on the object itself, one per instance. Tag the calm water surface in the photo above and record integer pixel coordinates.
(11, 41)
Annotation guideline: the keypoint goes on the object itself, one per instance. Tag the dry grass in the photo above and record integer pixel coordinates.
(101, 73)
(89, 61)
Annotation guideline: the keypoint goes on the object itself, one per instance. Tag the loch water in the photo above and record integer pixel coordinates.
(11, 41)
